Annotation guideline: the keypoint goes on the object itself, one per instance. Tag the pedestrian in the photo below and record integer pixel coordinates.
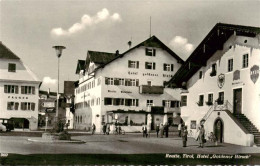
(144, 128)
(161, 130)
(104, 128)
(179, 129)
(108, 129)
(213, 138)
(166, 129)
(93, 128)
(119, 130)
(157, 129)
(201, 137)
(184, 136)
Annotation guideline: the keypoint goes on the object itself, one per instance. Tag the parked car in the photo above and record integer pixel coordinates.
(8, 123)
(2, 127)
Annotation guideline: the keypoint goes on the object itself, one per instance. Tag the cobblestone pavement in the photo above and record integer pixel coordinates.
(131, 143)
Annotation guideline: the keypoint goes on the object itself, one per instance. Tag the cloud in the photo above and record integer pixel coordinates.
(87, 21)
(181, 46)
(48, 82)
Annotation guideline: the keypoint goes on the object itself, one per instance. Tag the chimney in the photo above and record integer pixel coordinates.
(117, 52)
(129, 44)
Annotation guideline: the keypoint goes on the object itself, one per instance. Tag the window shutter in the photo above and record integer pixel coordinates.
(137, 102)
(8, 106)
(137, 64)
(33, 90)
(22, 106)
(146, 51)
(154, 52)
(172, 104)
(153, 65)
(164, 67)
(116, 81)
(163, 103)
(172, 67)
(129, 64)
(137, 82)
(106, 81)
(6, 89)
(32, 106)
(22, 89)
(16, 106)
(16, 89)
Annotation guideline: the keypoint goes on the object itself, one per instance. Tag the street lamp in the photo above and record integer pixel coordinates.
(58, 53)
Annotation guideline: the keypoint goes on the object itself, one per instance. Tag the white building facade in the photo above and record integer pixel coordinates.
(222, 85)
(127, 89)
(19, 91)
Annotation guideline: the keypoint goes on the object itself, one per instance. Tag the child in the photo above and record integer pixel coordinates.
(213, 138)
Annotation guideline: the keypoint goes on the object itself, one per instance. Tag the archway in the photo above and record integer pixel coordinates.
(219, 129)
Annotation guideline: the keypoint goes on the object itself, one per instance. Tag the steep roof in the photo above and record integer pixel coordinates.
(100, 57)
(151, 42)
(214, 41)
(80, 66)
(6, 53)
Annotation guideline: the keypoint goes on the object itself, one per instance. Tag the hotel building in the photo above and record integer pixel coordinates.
(19, 91)
(221, 87)
(128, 88)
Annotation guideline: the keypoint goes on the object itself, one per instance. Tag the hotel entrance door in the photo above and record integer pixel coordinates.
(237, 101)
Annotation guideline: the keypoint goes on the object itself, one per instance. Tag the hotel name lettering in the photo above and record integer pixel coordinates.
(15, 97)
(149, 74)
(113, 91)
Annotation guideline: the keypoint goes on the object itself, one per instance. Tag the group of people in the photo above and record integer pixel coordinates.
(160, 130)
(106, 129)
(200, 136)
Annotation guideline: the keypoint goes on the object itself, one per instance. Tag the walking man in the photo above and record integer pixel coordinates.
(157, 129)
(93, 129)
(144, 128)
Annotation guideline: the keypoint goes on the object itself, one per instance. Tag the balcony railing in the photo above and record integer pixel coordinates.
(146, 89)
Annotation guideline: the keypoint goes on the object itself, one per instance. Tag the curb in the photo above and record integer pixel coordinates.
(55, 141)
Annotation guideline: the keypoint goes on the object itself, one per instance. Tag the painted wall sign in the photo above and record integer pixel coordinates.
(254, 73)
(236, 75)
(221, 80)
(150, 74)
(113, 91)
(132, 73)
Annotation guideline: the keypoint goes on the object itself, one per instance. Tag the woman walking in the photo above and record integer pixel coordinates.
(184, 136)
(201, 136)
(161, 130)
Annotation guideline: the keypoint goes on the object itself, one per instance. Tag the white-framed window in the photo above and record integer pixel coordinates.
(149, 83)
(150, 65)
(245, 61)
(28, 90)
(27, 106)
(168, 67)
(11, 89)
(131, 102)
(150, 52)
(12, 105)
(98, 101)
(149, 103)
(230, 65)
(109, 81)
(184, 100)
(210, 97)
(201, 100)
(99, 81)
(133, 64)
(131, 82)
(121, 81)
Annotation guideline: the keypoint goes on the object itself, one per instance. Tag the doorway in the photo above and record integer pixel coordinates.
(237, 101)
(218, 130)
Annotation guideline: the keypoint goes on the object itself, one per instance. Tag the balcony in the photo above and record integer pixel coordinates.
(146, 89)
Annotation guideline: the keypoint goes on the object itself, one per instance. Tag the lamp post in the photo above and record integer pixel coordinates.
(58, 53)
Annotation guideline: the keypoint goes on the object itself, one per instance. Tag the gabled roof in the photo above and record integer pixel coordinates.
(6, 53)
(80, 66)
(100, 57)
(214, 41)
(151, 42)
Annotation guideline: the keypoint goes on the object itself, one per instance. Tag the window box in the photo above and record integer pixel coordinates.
(200, 103)
(219, 101)
(213, 73)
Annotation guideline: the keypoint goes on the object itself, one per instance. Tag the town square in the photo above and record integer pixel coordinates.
(129, 82)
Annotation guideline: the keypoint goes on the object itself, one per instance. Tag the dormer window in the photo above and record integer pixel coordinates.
(150, 52)
(214, 70)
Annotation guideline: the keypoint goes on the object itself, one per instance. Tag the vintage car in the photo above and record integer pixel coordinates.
(6, 124)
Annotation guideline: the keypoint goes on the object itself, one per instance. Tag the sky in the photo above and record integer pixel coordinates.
(31, 27)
